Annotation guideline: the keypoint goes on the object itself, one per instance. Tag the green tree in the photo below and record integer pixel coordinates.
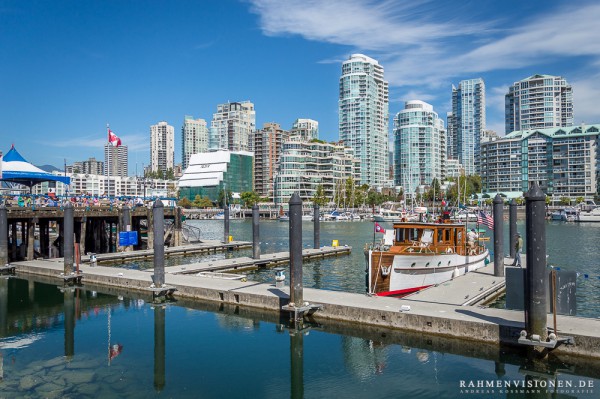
(374, 198)
(250, 198)
(319, 198)
(565, 201)
(197, 201)
(205, 202)
(349, 191)
(521, 200)
(221, 198)
(579, 200)
(185, 203)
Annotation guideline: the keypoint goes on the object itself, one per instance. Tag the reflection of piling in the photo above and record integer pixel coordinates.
(225, 224)
(159, 348)
(158, 216)
(3, 307)
(3, 235)
(535, 273)
(297, 364)
(317, 227)
(69, 307)
(295, 213)
(512, 226)
(498, 236)
(255, 233)
(68, 238)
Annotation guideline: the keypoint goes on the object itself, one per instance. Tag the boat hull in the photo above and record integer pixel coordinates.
(410, 273)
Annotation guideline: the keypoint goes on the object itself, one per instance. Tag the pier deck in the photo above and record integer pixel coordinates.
(472, 323)
(244, 263)
(206, 246)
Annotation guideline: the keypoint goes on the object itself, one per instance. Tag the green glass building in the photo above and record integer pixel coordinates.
(209, 173)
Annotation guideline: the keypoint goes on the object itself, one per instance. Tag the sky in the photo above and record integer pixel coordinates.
(70, 67)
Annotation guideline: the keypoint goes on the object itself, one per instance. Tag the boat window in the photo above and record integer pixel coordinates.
(400, 235)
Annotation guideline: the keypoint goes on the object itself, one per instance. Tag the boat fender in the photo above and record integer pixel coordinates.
(244, 279)
(455, 273)
(385, 271)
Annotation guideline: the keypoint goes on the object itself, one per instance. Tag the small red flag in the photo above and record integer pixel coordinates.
(378, 228)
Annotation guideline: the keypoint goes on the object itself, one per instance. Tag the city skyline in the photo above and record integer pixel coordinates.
(76, 67)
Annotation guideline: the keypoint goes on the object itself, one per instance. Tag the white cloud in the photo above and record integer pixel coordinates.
(586, 92)
(134, 142)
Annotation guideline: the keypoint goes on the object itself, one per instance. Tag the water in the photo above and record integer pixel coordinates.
(56, 345)
(571, 246)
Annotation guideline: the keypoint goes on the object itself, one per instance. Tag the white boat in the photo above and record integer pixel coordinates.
(416, 255)
(589, 214)
(465, 216)
(390, 215)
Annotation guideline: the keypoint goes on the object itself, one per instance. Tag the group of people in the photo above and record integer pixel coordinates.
(51, 200)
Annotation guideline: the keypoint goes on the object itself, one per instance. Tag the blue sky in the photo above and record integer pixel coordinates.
(70, 67)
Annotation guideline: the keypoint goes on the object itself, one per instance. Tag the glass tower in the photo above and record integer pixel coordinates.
(194, 138)
(467, 123)
(419, 145)
(538, 102)
(363, 116)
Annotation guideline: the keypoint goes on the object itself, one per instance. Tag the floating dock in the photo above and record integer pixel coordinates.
(443, 310)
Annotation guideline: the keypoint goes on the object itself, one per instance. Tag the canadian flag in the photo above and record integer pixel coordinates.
(113, 139)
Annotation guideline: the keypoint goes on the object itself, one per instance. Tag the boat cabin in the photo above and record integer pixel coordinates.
(419, 237)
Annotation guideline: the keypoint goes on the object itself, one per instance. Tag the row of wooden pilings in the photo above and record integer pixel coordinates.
(95, 231)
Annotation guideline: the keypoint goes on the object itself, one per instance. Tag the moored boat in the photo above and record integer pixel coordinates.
(589, 214)
(416, 255)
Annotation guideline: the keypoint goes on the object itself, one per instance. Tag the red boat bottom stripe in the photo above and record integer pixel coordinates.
(402, 292)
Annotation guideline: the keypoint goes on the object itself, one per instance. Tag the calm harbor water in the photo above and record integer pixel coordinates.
(85, 344)
(59, 344)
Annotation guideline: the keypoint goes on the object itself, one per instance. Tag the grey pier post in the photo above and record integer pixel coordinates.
(226, 224)
(512, 226)
(296, 292)
(255, 233)
(498, 236)
(158, 227)
(535, 272)
(3, 236)
(68, 239)
(317, 227)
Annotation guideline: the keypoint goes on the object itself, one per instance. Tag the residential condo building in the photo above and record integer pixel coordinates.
(363, 117)
(466, 123)
(162, 147)
(419, 145)
(116, 161)
(539, 102)
(232, 126)
(194, 138)
(304, 166)
(268, 143)
(89, 167)
(565, 162)
(306, 129)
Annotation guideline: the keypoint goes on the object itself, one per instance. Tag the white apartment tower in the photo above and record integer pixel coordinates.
(420, 146)
(363, 117)
(305, 129)
(162, 147)
(466, 123)
(539, 102)
(115, 160)
(232, 126)
(194, 138)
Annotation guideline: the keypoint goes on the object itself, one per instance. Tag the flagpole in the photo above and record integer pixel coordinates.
(374, 232)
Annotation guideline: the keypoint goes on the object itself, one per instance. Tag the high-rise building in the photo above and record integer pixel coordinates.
(194, 138)
(466, 123)
(268, 143)
(539, 102)
(232, 126)
(420, 145)
(115, 160)
(305, 129)
(451, 136)
(162, 147)
(89, 167)
(304, 166)
(565, 162)
(363, 116)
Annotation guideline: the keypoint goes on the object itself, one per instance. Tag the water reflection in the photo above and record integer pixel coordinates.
(333, 359)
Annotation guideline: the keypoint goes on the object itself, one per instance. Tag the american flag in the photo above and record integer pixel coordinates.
(485, 219)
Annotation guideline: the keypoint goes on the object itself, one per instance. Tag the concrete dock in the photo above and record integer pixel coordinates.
(442, 318)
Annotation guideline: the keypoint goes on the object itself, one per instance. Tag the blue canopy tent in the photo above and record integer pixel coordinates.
(16, 169)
